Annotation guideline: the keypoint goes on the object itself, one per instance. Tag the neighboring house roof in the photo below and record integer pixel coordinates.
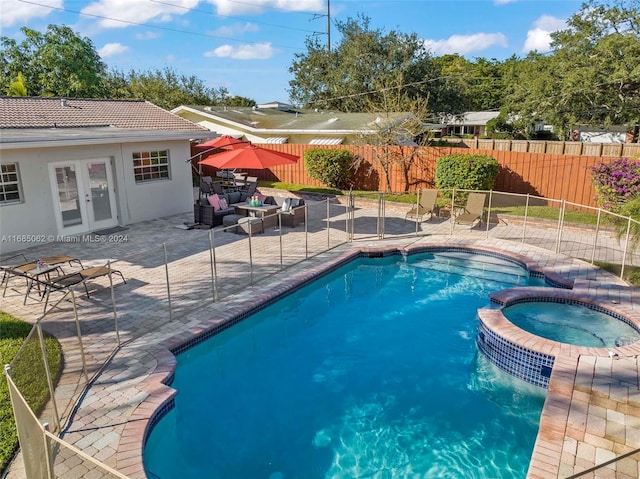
(27, 120)
(469, 118)
(275, 119)
(36, 112)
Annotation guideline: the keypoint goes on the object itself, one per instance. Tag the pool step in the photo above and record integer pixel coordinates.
(477, 266)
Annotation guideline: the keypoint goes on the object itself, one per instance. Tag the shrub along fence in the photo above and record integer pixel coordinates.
(547, 175)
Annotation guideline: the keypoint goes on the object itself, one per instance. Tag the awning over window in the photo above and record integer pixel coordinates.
(277, 140)
(327, 141)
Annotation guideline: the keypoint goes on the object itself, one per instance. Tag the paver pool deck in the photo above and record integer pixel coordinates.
(591, 413)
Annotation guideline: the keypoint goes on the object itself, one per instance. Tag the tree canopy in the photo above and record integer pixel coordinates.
(61, 63)
(165, 88)
(55, 63)
(591, 76)
(356, 73)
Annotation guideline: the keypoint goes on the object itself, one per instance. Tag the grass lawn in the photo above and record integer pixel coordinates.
(542, 212)
(28, 374)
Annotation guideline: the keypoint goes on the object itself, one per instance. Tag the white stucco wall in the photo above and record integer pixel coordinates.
(35, 215)
(602, 136)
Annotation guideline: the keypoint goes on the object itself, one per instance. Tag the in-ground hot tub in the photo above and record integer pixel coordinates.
(535, 324)
(572, 322)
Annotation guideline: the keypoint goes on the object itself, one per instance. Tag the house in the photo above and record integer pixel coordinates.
(74, 166)
(612, 134)
(277, 123)
(472, 123)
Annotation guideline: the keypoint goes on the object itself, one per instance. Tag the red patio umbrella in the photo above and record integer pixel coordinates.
(250, 157)
(224, 141)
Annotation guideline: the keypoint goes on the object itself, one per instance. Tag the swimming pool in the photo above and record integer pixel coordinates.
(370, 371)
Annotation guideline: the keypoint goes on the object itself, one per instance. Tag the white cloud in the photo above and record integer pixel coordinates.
(503, 2)
(112, 50)
(147, 35)
(257, 51)
(137, 11)
(236, 29)
(463, 44)
(234, 7)
(548, 22)
(539, 37)
(14, 12)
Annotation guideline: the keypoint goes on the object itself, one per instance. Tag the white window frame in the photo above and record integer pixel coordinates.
(154, 166)
(16, 183)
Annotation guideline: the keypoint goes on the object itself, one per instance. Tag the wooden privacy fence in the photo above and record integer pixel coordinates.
(548, 175)
(576, 148)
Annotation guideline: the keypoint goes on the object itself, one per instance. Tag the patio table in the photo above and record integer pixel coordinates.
(265, 212)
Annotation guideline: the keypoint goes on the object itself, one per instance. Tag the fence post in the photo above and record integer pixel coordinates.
(347, 218)
(214, 266)
(166, 271)
(560, 226)
(626, 247)
(526, 213)
(349, 221)
(595, 239)
(280, 238)
(489, 211)
(79, 333)
(45, 359)
(47, 451)
(328, 224)
(452, 219)
(113, 303)
(250, 256)
(417, 209)
(349, 224)
(381, 213)
(306, 231)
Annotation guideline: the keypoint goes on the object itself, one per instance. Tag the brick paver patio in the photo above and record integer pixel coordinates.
(592, 411)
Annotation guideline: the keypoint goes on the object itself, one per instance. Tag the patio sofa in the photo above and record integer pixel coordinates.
(205, 214)
(292, 216)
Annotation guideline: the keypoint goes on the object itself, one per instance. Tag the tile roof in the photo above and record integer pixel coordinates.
(37, 112)
(30, 137)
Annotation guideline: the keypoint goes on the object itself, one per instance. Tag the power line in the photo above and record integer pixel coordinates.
(197, 10)
(269, 7)
(147, 25)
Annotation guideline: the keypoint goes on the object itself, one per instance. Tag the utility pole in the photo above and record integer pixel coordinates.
(329, 26)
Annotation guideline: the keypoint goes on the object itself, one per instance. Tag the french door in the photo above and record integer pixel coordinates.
(83, 195)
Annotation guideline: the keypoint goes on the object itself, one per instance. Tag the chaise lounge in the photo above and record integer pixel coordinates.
(79, 277)
(473, 210)
(426, 206)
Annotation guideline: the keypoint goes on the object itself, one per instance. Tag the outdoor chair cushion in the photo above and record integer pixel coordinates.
(214, 201)
(234, 197)
(294, 215)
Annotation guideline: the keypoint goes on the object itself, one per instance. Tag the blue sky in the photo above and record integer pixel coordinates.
(247, 46)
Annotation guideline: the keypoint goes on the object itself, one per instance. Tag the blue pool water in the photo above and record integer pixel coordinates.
(571, 323)
(371, 371)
